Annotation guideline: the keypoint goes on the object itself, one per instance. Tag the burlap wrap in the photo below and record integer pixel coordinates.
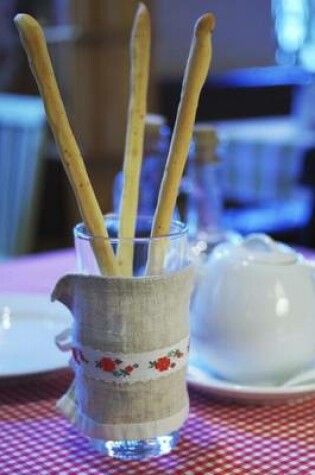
(127, 316)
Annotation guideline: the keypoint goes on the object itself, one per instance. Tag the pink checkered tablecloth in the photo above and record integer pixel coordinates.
(219, 438)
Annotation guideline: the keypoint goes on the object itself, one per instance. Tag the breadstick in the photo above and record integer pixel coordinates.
(33, 40)
(140, 58)
(195, 75)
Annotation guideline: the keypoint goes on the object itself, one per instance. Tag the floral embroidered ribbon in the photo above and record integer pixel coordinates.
(129, 368)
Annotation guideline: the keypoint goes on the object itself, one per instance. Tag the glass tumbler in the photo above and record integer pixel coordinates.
(175, 253)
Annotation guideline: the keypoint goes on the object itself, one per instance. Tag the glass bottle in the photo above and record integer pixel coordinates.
(292, 20)
(204, 209)
(155, 150)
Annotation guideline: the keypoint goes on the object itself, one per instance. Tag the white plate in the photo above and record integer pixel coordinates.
(200, 377)
(28, 326)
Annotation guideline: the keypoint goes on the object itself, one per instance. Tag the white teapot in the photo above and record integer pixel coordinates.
(253, 312)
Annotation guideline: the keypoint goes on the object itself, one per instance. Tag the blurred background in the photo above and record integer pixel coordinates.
(258, 98)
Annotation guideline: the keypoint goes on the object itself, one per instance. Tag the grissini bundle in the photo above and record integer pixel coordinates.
(140, 59)
(33, 40)
(196, 72)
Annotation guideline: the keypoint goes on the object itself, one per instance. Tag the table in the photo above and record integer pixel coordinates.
(219, 438)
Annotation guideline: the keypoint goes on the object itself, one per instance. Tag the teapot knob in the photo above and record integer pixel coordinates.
(260, 242)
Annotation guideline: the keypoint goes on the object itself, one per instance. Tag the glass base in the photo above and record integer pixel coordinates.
(137, 449)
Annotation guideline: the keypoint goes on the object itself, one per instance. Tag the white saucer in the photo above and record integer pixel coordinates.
(200, 377)
(28, 326)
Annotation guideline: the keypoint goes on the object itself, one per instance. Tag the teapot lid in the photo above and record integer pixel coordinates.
(262, 249)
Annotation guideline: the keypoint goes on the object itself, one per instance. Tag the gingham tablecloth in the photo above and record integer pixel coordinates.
(219, 438)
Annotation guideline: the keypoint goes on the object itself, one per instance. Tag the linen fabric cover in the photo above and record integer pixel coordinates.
(129, 317)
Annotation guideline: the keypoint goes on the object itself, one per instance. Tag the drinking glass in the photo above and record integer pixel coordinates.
(175, 252)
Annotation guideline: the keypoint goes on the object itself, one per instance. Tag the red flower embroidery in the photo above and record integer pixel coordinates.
(162, 364)
(116, 366)
(107, 364)
(112, 366)
(129, 369)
